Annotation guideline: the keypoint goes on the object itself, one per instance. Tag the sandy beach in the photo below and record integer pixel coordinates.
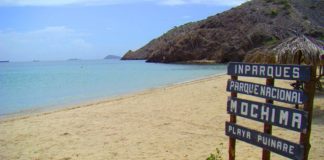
(179, 122)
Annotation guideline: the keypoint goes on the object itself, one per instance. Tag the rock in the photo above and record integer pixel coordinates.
(231, 35)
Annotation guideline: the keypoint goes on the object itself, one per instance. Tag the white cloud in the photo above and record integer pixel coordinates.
(111, 2)
(52, 42)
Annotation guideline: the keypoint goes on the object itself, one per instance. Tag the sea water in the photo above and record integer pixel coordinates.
(33, 85)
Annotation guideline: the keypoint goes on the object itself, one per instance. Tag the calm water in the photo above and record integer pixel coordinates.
(31, 85)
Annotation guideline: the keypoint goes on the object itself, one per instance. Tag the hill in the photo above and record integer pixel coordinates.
(233, 34)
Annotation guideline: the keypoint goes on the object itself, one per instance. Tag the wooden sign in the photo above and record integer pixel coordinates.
(269, 92)
(269, 114)
(292, 119)
(289, 72)
(271, 143)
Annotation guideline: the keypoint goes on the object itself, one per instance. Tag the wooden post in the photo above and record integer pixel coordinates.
(267, 128)
(308, 107)
(297, 87)
(232, 141)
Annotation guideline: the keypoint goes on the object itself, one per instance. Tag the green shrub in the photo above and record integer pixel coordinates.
(286, 6)
(283, 2)
(271, 12)
(274, 12)
(216, 156)
(278, 1)
(321, 38)
(312, 7)
(270, 41)
(211, 157)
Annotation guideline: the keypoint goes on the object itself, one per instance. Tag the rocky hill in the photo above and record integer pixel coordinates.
(233, 34)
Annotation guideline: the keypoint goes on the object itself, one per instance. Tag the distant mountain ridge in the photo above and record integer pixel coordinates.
(233, 34)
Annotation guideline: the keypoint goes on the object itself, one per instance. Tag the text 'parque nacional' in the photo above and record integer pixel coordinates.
(292, 119)
(289, 72)
(264, 91)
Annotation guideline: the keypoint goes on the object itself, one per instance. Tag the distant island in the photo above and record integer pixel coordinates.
(112, 57)
(4, 61)
(73, 59)
(237, 34)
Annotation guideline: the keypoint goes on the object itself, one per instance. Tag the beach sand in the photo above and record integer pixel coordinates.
(180, 122)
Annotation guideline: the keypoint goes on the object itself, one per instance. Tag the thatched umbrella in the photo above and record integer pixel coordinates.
(297, 50)
(300, 50)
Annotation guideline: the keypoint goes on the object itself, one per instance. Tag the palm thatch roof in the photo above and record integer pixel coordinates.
(263, 57)
(297, 50)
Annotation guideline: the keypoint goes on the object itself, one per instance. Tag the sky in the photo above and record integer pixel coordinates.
(49, 30)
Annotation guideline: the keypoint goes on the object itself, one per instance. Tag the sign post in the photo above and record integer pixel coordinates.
(267, 128)
(308, 107)
(232, 141)
(267, 113)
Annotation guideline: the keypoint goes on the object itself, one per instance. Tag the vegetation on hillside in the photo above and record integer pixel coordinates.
(245, 30)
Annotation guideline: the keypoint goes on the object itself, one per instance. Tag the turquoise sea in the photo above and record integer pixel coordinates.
(37, 85)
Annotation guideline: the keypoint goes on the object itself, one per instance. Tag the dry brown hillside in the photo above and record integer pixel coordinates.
(231, 35)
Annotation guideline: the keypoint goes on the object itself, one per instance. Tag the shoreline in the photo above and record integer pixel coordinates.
(180, 121)
(88, 103)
